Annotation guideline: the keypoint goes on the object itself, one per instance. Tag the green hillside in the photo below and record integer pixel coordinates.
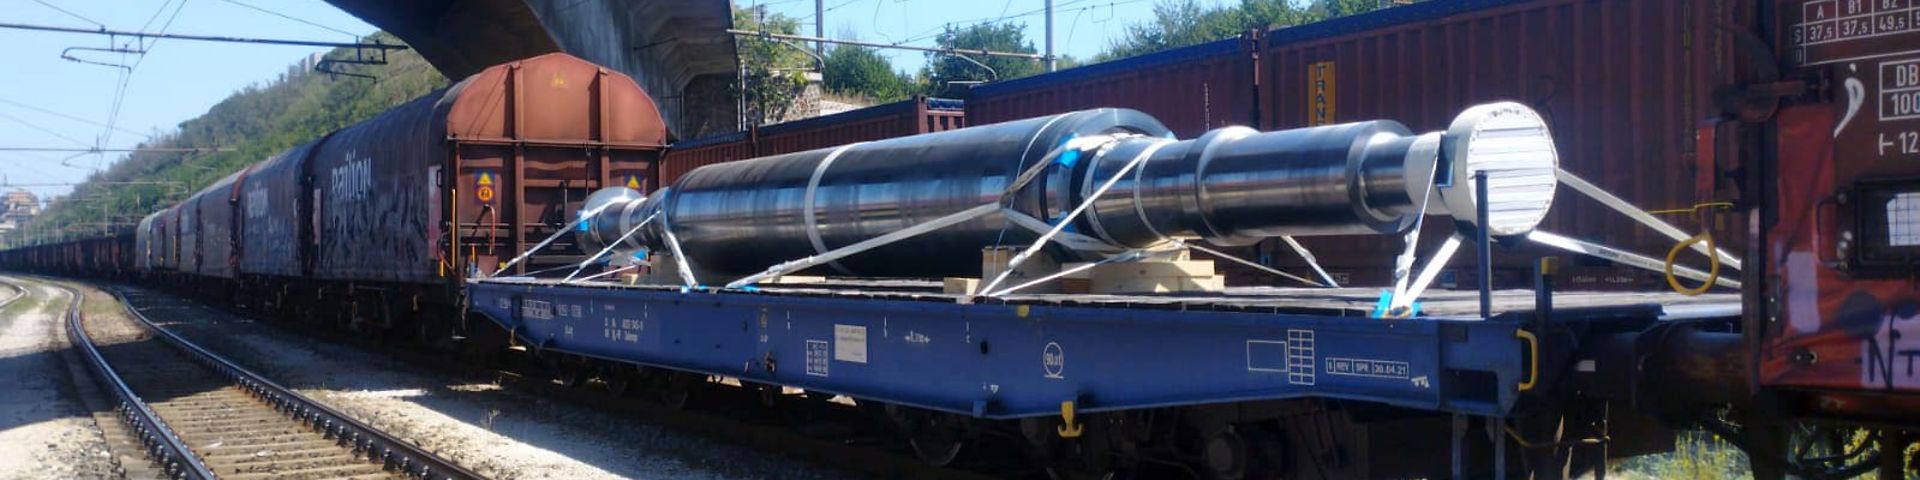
(247, 127)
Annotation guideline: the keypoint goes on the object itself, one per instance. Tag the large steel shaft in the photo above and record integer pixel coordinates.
(1231, 186)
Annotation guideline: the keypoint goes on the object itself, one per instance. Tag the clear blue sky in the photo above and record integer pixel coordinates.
(179, 79)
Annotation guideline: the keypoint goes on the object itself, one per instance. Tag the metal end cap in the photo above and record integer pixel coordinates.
(1511, 143)
(607, 205)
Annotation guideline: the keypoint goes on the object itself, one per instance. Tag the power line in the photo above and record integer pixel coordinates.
(126, 78)
(71, 117)
(103, 149)
(48, 131)
(842, 4)
(156, 15)
(70, 13)
(973, 51)
(1058, 10)
(28, 167)
(290, 17)
(206, 38)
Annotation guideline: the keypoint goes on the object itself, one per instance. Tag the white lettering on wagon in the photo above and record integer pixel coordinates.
(817, 358)
(1361, 367)
(1293, 356)
(536, 309)
(352, 180)
(1054, 360)
(850, 343)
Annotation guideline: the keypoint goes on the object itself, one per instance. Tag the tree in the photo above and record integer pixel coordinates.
(1179, 23)
(253, 124)
(861, 71)
(773, 71)
(944, 69)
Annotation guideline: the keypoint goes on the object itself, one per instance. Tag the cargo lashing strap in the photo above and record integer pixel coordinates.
(584, 216)
(1068, 219)
(609, 248)
(1400, 303)
(681, 264)
(956, 218)
(1054, 233)
(1057, 230)
(1401, 300)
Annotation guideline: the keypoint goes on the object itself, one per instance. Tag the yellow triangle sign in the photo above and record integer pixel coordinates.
(486, 179)
(633, 182)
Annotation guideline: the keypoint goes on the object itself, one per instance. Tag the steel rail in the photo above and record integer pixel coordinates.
(393, 453)
(161, 443)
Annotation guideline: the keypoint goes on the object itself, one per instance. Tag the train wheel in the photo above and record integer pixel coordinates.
(621, 381)
(1244, 451)
(681, 389)
(936, 438)
(936, 448)
(769, 395)
(570, 374)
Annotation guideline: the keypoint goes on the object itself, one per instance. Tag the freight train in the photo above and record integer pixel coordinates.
(493, 213)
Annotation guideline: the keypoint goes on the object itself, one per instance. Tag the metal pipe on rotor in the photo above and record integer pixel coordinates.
(1140, 187)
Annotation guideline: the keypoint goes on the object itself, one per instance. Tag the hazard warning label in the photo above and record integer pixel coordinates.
(483, 189)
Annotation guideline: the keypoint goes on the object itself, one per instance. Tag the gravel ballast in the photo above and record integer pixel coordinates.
(44, 432)
(493, 430)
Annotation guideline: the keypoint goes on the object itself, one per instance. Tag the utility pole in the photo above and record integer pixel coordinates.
(1052, 63)
(820, 27)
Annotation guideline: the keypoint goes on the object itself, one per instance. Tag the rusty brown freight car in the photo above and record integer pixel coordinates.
(217, 226)
(898, 119)
(505, 156)
(1191, 89)
(271, 203)
(1627, 85)
(392, 214)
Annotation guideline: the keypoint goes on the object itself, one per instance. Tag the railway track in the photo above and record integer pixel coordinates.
(201, 416)
(808, 431)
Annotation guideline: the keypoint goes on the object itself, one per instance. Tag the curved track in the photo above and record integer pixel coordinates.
(203, 416)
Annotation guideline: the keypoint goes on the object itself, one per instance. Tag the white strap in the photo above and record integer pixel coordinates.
(1403, 264)
(1622, 257)
(1068, 239)
(1275, 271)
(606, 273)
(1127, 256)
(584, 216)
(1075, 213)
(681, 263)
(807, 203)
(1312, 262)
(1427, 274)
(1638, 215)
(868, 244)
(603, 251)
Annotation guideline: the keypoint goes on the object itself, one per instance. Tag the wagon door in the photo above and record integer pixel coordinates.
(529, 141)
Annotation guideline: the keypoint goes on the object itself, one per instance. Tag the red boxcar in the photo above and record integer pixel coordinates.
(1626, 116)
(506, 156)
(1840, 316)
(270, 204)
(1191, 90)
(898, 119)
(215, 226)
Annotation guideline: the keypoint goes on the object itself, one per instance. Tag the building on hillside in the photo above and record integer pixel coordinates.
(16, 208)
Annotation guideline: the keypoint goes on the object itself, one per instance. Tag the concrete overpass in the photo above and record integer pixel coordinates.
(678, 50)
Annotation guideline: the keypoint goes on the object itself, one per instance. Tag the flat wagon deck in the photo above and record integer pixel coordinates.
(904, 342)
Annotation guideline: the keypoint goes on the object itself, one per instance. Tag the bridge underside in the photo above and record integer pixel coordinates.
(677, 49)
